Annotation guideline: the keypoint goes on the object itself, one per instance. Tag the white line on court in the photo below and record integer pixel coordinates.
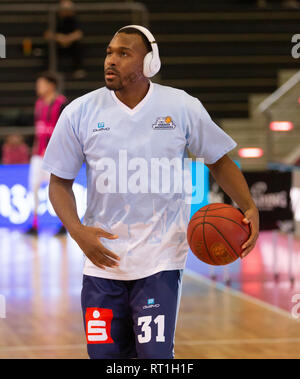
(207, 282)
(241, 295)
(250, 341)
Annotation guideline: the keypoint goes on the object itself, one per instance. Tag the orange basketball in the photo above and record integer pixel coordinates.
(216, 234)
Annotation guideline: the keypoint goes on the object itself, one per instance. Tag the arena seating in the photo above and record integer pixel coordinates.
(220, 57)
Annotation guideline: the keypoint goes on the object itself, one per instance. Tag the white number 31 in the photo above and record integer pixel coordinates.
(145, 321)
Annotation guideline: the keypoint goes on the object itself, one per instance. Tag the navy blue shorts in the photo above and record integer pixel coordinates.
(131, 318)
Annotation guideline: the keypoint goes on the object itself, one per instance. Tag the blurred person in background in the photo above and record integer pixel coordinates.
(68, 36)
(15, 150)
(48, 108)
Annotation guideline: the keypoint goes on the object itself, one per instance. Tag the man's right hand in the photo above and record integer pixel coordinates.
(88, 239)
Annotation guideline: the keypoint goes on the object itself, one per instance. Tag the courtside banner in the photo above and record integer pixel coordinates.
(16, 202)
(271, 192)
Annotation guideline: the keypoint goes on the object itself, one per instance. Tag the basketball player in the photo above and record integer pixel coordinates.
(47, 110)
(133, 237)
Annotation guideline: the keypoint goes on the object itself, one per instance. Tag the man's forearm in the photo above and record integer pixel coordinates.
(232, 181)
(63, 201)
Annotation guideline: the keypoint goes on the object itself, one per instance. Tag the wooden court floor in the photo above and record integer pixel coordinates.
(41, 281)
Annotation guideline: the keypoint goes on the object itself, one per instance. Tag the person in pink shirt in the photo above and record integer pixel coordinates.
(47, 110)
(15, 150)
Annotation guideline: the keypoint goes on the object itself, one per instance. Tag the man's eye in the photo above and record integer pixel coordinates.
(124, 54)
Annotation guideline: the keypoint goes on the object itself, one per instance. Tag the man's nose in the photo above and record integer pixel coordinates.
(111, 60)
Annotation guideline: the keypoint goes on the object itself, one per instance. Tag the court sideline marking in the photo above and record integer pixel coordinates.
(179, 343)
(210, 283)
(239, 294)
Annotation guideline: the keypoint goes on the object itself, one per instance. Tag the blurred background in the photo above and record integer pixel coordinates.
(239, 58)
(230, 54)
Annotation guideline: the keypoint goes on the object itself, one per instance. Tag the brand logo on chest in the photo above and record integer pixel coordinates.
(101, 128)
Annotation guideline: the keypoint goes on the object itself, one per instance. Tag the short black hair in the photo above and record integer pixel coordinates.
(130, 30)
(50, 77)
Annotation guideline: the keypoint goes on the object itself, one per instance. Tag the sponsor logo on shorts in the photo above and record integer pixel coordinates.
(98, 325)
(164, 123)
(151, 304)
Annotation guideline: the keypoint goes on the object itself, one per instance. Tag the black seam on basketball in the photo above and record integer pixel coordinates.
(196, 218)
(205, 210)
(229, 219)
(225, 239)
(204, 239)
(216, 209)
(196, 226)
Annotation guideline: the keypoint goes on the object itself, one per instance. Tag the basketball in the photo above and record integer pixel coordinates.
(216, 234)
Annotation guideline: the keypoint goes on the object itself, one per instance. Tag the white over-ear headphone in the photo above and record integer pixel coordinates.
(151, 61)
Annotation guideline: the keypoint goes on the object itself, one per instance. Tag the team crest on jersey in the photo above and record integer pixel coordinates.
(164, 123)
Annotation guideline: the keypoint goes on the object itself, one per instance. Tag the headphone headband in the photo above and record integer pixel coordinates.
(142, 29)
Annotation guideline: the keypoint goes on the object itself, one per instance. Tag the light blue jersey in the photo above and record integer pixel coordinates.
(134, 159)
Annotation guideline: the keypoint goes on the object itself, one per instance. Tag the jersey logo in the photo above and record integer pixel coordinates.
(151, 304)
(100, 127)
(98, 325)
(164, 123)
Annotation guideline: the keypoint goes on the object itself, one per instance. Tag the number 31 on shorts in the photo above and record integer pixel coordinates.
(146, 328)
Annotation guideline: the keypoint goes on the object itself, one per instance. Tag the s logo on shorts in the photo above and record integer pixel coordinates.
(98, 325)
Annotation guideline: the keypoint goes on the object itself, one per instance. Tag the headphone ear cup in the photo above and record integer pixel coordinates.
(155, 65)
(148, 72)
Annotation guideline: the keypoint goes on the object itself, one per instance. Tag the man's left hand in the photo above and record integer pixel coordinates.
(252, 219)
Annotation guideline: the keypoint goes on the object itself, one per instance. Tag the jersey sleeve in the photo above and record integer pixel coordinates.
(64, 154)
(205, 139)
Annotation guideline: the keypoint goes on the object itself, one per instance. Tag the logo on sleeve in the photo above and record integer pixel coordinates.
(98, 325)
(164, 123)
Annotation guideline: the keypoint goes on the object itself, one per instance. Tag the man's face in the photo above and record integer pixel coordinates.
(123, 65)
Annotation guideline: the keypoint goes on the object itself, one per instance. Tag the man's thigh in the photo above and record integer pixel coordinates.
(155, 302)
(107, 319)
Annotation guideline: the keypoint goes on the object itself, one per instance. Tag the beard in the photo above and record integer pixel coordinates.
(117, 84)
(114, 86)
